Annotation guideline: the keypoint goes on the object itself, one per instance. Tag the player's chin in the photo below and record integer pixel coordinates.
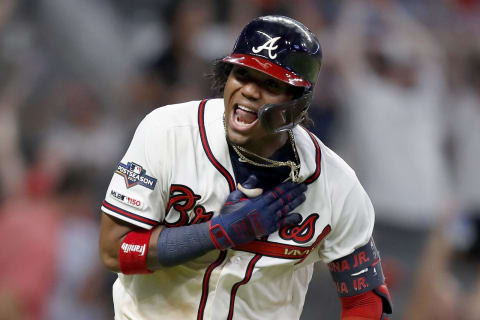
(238, 138)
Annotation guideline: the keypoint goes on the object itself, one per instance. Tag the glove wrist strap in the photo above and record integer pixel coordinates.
(219, 236)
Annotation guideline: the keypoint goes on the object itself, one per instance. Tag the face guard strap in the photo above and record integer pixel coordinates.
(276, 118)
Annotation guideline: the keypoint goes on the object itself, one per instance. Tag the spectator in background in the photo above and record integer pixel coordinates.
(464, 116)
(320, 15)
(180, 68)
(80, 290)
(438, 293)
(450, 267)
(20, 73)
(80, 133)
(393, 84)
(11, 175)
(49, 270)
(29, 230)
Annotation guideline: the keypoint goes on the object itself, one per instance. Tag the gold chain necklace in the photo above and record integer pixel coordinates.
(269, 163)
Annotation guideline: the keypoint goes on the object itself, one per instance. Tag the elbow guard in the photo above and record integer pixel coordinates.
(360, 281)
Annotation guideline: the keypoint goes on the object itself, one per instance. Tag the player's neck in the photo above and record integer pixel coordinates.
(284, 156)
(267, 146)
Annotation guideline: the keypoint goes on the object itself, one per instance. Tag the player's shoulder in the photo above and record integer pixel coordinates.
(338, 172)
(333, 168)
(182, 114)
(335, 164)
(174, 114)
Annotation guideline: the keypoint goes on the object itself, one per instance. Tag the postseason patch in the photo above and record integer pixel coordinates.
(134, 174)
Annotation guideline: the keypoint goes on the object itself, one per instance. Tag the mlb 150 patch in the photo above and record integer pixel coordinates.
(134, 175)
(133, 202)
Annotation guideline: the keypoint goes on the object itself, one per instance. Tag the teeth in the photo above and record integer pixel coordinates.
(246, 109)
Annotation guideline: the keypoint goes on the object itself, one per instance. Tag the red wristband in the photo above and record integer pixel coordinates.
(133, 252)
(367, 305)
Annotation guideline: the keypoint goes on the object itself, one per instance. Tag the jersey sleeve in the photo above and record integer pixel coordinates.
(353, 219)
(136, 193)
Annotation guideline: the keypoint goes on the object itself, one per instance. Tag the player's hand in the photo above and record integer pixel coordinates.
(243, 219)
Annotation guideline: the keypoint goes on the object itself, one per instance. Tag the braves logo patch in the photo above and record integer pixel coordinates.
(301, 233)
(187, 212)
(134, 174)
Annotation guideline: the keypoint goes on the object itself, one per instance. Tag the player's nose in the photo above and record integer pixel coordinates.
(251, 90)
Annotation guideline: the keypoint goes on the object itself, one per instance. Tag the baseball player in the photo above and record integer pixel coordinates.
(220, 208)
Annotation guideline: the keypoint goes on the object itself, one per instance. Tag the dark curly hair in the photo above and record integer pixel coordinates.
(218, 75)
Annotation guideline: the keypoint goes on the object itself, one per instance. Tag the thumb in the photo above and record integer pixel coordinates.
(251, 182)
(248, 187)
(291, 219)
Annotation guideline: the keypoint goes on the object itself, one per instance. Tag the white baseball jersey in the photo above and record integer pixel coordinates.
(177, 171)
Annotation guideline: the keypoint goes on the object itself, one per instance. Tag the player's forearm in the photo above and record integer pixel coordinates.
(174, 246)
(122, 244)
(112, 233)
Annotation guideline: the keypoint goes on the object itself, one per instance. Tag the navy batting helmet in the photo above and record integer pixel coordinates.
(286, 50)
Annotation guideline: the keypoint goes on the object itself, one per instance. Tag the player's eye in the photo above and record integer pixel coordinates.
(273, 86)
(240, 73)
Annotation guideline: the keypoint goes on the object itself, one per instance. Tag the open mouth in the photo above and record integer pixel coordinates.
(244, 116)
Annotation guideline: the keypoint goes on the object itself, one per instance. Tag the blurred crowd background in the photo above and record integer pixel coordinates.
(398, 98)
